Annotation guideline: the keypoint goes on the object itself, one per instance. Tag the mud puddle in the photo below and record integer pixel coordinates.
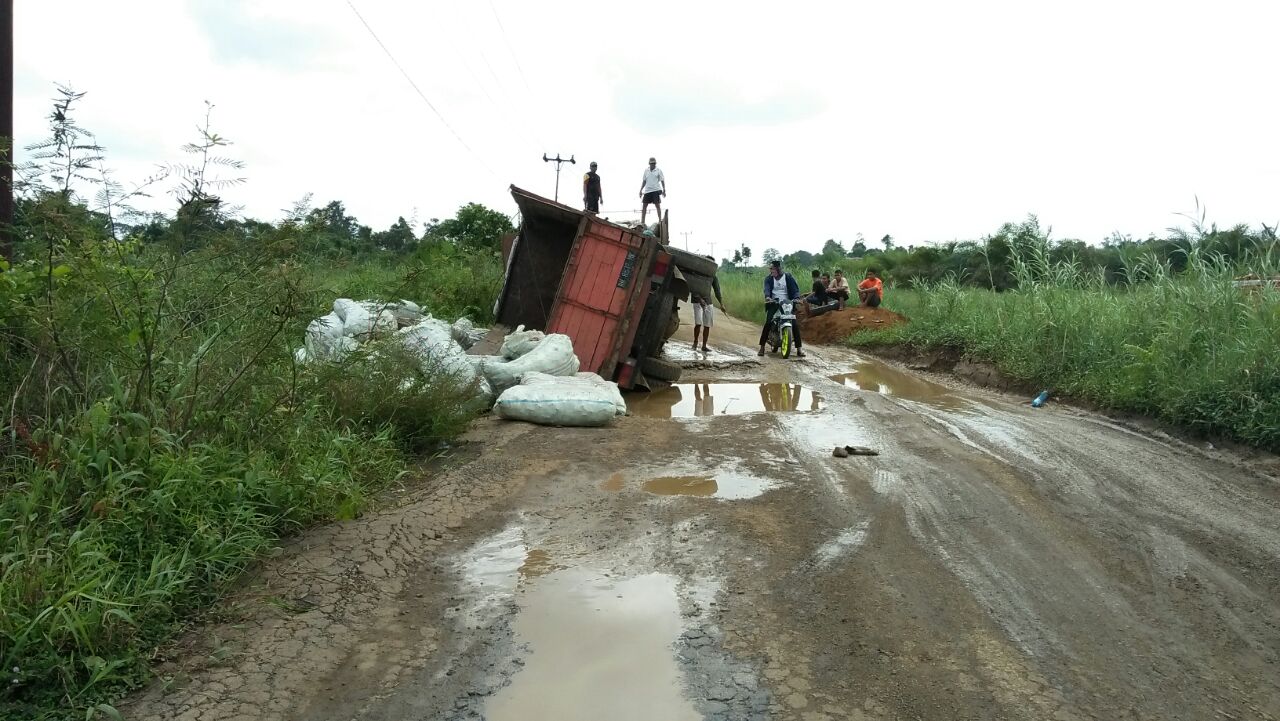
(599, 648)
(697, 400)
(889, 381)
(728, 484)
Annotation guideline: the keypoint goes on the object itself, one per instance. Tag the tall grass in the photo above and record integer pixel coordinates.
(1188, 348)
(156, 434)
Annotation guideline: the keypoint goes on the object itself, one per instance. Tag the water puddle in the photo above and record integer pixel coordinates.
(599, 649)
(729, 484)
(846, 542)
(696, 400)
(887, 380)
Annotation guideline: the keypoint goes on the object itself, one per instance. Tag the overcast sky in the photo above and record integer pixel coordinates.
(777, 125)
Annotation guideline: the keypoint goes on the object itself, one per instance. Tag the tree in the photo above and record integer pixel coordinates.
(399, 237)
(888, 242)
(858, 250)
(746, 255)
(770, 255)
(833, 249)
(475, 227)
(737, 256)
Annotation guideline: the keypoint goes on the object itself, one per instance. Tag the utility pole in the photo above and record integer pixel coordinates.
(686, 234)
(558, 161)
(712, 246)
(6, 130)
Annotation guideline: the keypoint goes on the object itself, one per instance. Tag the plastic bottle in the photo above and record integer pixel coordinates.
(1040, 399)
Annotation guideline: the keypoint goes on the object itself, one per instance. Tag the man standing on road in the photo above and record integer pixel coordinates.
(592, 195)
(653, 188)
(704, 313)
(779, 286)
(871, 290)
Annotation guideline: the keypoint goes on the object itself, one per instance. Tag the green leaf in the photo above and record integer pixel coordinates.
(61, 271)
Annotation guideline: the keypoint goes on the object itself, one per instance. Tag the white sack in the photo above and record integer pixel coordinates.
(383, 316)
(590, 379)
(552, 355)
(322, 336)
(341, 306)
(520, 341)
(573, 403)
(359, 321)
(438, 353)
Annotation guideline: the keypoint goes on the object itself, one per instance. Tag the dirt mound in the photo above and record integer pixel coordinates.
(834, 326)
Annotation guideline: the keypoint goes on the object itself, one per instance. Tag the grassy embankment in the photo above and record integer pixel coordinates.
(157, 436)
(1187, 348)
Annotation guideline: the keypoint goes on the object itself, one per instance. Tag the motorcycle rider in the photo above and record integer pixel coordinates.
(779, 286)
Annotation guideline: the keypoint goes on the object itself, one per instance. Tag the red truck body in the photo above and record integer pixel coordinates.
(601, 284)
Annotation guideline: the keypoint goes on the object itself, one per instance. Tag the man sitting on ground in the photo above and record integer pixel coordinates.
(839, 288)
(818, 296)
(871, 290)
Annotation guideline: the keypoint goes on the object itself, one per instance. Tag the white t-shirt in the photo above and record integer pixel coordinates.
(780, 293)
(653, 180)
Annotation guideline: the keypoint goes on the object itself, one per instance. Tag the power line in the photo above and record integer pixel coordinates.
(507, 42)
(417, 89)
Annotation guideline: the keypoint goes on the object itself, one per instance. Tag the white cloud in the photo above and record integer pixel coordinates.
(777, 125)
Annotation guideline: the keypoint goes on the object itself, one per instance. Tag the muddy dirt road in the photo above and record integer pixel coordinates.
(708, 558)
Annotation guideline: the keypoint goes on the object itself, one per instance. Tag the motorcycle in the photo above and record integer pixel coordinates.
(782, 327)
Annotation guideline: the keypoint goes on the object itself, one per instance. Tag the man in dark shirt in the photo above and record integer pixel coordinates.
(819, 294)
(592, 195)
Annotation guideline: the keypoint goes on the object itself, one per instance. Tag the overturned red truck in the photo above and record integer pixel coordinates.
(614, 290)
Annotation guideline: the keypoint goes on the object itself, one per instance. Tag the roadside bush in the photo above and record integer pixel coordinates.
(156, 434)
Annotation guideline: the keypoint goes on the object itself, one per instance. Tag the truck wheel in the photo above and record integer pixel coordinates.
(693, 263)
(661, 369)
(673, 324)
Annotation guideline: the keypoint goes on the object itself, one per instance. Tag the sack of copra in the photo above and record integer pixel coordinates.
(322, 337)
(590, 379)
(552, 355)
(519, 342)
(568, 403)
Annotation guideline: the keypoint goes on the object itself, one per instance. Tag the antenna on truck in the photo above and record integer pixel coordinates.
(558, 161)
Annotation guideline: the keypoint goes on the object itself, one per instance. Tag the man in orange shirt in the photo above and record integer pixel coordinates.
(871, 290)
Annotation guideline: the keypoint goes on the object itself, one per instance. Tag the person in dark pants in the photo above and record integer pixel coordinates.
(871, 290)
(779, 286)
(653, 188)
(592, 195)
(818, 296)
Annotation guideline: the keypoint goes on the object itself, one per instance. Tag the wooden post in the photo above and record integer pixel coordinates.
(6, 130)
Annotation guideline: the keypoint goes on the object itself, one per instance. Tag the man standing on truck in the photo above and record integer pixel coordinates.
(704, 312)
(779, 286)
(653, 188)
(592, 195)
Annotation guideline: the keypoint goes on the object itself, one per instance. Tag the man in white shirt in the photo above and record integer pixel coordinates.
(653, 188)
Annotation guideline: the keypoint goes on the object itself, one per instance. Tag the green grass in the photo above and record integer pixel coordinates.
(1188, 348)
(158, 438)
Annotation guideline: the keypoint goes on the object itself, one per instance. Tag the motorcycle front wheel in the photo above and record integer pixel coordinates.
(786, 342)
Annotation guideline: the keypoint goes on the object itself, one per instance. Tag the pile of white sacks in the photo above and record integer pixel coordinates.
(535, 378)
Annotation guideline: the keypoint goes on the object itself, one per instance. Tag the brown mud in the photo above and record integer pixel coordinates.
(993, 562)
(837, 325)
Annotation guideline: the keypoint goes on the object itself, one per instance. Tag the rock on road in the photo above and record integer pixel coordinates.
(993, 562)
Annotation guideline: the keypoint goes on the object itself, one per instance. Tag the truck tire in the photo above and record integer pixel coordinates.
(673, 325)
(692, 262)
(661, 369)
(699, 285)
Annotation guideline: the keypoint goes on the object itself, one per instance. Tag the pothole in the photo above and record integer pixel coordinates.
(730, 484)
(696, 400)
(886, 380)
(599, 648)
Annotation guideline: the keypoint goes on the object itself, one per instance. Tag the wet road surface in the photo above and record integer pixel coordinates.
(708, 558)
